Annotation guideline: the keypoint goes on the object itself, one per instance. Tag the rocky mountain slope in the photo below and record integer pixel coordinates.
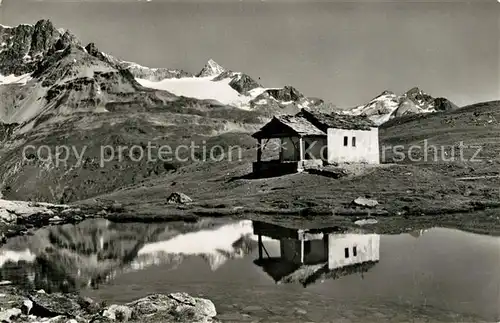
(24, 46)
(56, 92)
(29, 52)
(389, 105)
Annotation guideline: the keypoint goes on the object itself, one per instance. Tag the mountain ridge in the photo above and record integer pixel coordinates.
(389, 105)
(85, 98)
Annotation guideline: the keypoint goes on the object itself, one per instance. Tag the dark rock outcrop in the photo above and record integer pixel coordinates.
(243, 83)
(43, 38)
(92, 49)
(67, 39)
(240, 82)
(26, 45)
(419, 97)
(287, 93)
(443, 104)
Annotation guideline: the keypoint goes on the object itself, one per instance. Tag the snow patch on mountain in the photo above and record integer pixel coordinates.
(27, 108)
(204, 88)
(13, 79)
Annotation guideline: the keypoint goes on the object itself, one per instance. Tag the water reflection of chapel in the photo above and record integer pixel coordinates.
(309, 255)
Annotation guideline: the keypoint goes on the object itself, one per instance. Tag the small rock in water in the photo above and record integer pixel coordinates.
(365, 222)
(362, 201)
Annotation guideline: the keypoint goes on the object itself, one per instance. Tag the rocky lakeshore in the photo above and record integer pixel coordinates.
(16, 305)
(21, 304)
(17, 217)
(480, 216)
(38, 306)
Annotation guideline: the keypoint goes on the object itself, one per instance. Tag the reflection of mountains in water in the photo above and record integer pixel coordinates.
(216, 246)
(68, 257)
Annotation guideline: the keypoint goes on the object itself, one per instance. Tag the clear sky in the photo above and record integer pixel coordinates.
(343, 51)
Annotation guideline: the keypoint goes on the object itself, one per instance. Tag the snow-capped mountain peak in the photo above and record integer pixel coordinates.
(389, 105)
(380, 108)
(419, 97)
(211, 69)
(48, 71)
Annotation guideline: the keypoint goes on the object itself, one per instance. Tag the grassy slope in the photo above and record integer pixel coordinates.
(224, 188)
(44, 181)
(474, 125)
(477, 125)
(405, 189)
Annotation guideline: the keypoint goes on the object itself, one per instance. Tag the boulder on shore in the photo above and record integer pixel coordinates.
(66, 308)
(51, 305)
(120, 313)
(363, 201)
(178, 307)
(178, 198)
